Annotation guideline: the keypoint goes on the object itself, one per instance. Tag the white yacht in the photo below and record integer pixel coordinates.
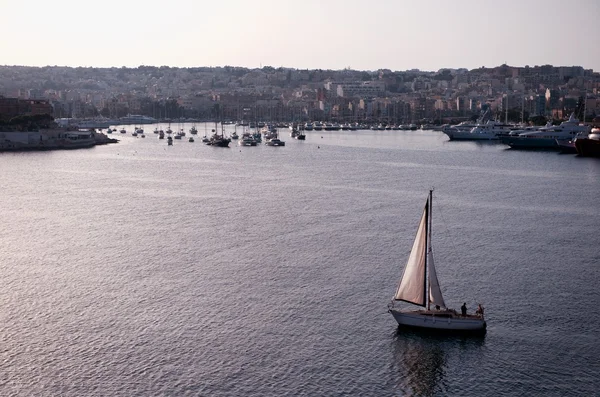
(547, 137)
(491, 130)
(459, 129)
(137, 119)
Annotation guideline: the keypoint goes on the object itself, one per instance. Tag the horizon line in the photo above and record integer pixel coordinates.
(294, 68)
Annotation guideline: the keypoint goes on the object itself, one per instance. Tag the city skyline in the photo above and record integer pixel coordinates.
(309, 35)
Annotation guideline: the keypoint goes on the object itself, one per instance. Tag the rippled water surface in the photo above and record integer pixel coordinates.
(139, 269)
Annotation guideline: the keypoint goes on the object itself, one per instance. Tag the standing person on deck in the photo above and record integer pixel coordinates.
(479, 310)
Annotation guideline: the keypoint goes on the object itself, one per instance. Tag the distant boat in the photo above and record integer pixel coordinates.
(247, 140)
(546, 137)
(590, 146)
(491, 130)
(137, 119)
(566, 146)
(96, 123)
(419, 285)
(218, 140)
(275, 142)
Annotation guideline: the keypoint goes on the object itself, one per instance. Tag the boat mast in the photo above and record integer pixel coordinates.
(427, 250)
(584, 106)
(523, 110)
(506, 116)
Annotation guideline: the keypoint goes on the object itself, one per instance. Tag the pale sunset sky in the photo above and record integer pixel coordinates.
(304, 34)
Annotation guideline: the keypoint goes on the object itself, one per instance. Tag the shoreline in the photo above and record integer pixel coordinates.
(52, 140)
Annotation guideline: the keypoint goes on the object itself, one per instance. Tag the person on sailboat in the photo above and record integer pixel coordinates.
(463, 309)
(479, 310)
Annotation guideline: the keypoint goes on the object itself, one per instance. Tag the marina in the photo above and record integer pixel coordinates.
(549, 137)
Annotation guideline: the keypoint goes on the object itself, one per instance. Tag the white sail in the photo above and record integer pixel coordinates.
(412, 287)
(435, 294)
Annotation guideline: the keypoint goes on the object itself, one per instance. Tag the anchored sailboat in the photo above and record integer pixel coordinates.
(419, 285)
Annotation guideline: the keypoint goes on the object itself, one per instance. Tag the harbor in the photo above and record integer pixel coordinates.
(321, 204)
(268, 270)
(560, 138)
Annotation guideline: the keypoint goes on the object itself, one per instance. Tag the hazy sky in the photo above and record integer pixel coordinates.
(326, 34)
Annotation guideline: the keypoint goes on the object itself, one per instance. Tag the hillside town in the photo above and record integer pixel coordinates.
(283, 94)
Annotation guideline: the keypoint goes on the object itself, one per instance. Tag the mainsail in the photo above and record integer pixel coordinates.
(412, 287)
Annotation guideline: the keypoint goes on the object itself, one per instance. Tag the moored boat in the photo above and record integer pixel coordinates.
(491, 130)
(590, 146)
(546, 137)
(217, 139)
(247, 139)
(275, 142)
(137, 119)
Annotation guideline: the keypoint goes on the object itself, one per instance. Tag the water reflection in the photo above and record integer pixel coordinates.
(421, 360)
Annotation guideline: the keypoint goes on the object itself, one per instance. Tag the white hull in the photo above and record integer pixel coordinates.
(469, 136)
(439, 321)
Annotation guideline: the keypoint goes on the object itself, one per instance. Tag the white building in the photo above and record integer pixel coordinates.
(361, 89)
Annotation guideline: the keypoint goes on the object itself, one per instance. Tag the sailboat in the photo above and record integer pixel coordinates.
(218, 140)
(419, 285)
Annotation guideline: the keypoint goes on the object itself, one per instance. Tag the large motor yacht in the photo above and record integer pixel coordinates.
(547, 137)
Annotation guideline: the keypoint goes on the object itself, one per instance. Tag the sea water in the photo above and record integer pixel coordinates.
(142, 269)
